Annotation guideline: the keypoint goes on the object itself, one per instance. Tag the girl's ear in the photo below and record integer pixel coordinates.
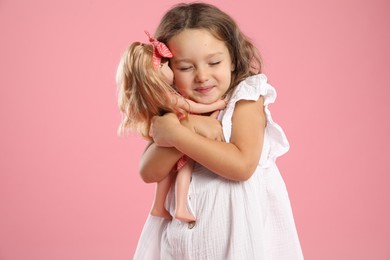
(232, 67)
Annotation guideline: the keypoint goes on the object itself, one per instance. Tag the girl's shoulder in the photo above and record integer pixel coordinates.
(252, 88)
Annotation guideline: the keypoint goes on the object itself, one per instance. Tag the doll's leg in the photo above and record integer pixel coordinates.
(182, 185)
(162, 190)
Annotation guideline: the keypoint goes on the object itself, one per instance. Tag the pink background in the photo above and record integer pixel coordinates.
(69, 186)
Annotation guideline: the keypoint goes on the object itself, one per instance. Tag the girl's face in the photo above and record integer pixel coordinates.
(201, 64)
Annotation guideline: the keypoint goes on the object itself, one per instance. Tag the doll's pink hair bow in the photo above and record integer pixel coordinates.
(159, 50)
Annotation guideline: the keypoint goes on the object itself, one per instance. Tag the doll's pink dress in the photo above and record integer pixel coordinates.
(235, 220)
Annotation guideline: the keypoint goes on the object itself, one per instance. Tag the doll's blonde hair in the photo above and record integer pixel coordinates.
(142, 90)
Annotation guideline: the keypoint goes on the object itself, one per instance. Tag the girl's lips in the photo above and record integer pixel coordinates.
(204, 90)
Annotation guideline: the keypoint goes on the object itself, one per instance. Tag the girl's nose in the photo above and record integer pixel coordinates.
(202, 74)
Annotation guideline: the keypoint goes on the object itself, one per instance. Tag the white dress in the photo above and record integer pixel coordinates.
(235, 220)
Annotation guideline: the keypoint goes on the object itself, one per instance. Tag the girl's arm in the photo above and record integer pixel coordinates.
(157, 162)
(235, 160)
(194, 107)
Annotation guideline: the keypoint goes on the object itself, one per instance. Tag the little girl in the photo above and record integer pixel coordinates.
(237, 192)
(145, 89)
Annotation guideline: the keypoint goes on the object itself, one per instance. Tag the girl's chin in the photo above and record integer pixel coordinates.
(205, 100)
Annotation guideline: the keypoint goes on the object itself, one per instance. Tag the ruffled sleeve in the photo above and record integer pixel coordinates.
(275, 141)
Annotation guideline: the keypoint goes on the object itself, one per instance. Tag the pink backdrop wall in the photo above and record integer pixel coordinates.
(69, 186)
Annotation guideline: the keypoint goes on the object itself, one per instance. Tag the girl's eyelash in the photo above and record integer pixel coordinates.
(188, 68)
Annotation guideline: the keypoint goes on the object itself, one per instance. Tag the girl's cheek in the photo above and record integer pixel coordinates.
(183, 92)
(181, 87)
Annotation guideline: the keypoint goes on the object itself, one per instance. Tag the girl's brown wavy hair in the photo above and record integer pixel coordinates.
(245, 56)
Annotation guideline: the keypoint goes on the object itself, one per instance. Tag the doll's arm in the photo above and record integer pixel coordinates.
(194, 107)
(235, 160)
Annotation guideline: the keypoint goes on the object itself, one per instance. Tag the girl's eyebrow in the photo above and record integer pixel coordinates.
(189, 60)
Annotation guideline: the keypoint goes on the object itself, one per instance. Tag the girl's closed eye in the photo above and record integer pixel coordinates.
(215, 63)
(185, 68)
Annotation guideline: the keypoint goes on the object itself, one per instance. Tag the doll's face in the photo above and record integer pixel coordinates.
(167, 72)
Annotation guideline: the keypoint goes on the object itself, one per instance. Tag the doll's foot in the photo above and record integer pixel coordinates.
(184, 216)
(162, 213)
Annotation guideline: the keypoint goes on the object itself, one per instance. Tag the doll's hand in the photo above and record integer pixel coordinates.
(197, 108)
(219, 105)
(163, 128)
(206, 126)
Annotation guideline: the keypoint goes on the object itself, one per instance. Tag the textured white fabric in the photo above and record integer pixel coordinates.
(235, 220)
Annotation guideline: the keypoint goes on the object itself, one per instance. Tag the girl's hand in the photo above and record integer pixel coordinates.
(156, 162)
(163, 129)
(206, 126)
